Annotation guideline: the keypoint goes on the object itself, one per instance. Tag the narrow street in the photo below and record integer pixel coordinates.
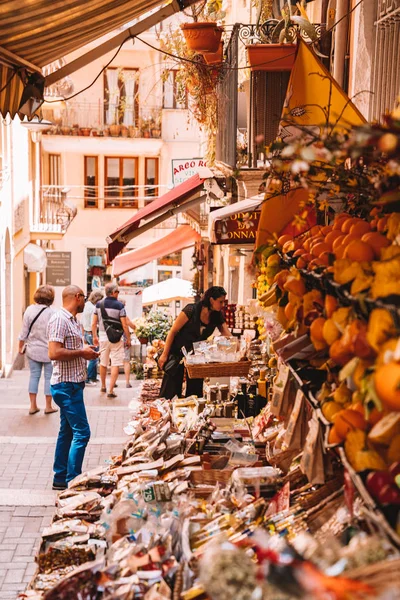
(27, 448)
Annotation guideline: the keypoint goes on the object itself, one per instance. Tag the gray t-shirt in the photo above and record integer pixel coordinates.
(37, 345)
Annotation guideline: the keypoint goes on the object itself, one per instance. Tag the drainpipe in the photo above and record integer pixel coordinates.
(341, 35)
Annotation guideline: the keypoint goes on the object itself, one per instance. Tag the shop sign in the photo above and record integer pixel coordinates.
(58, 270)
(239, 228)
(184, 168)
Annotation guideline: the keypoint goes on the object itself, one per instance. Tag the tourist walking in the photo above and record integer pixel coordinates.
(110, 319)
(196, 322)
(86, 322)
(69, 356)
(33, 341)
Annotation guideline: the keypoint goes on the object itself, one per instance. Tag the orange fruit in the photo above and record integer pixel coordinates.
(377, 241)
(307, 244)
(358, 407)
(316, 329)
(330, 305)
(284, 238)
(330, 332)
(339, 353)
(319, 248)
(332, 236)
(290, 310)
(295, 285)
(299, 252)
(374, 212)
(280, 278)
(339, 252)
(338, 242)
(316, 230)
(382, 224)
(324, 259)
(301, 263)
(359, 251)
(349, 238)
(347, 420)
(348, 223)
(339, 220)
(358, 229)
(333, 437)
(387, 385)
(374, 224)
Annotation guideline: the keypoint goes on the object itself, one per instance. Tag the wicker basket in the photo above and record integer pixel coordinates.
(228, 369)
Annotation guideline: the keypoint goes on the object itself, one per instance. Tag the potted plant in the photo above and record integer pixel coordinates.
(142, 329)
(213, 58)
(124, 131)
(85, 131)
(205, 35)
(279, 55)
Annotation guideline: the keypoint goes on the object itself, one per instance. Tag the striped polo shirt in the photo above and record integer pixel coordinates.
(63, 327)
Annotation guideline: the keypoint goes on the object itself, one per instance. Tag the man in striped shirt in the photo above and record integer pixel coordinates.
(69, 355)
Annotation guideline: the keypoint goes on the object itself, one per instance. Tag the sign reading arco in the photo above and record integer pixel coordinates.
(239, 228)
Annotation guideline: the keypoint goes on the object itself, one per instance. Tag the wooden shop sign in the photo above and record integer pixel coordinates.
(239, 228)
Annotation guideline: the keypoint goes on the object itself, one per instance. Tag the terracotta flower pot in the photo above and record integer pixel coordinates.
(213, 58)
(143, 340)
(202, 37)
(85, 131)
(115, 130)
(271, 57)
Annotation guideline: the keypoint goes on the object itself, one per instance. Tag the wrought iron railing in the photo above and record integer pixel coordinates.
(386, 67)
(237, 146)
(228, 104)
(54, 211)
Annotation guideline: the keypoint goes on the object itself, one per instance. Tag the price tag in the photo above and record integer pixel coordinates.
(279, 502)
(155, 414)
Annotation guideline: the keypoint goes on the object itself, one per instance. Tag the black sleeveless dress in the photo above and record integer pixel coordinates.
(193, 331)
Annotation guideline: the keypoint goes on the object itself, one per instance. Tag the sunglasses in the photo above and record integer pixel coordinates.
(82, 296)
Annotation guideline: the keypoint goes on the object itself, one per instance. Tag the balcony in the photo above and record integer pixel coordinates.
(51, 214)
(98, 120)
(255, 99)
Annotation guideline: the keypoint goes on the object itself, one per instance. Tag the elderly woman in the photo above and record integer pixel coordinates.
(196, 322)
(33, 340)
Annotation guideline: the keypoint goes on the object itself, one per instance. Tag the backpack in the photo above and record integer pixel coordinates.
(113, 327)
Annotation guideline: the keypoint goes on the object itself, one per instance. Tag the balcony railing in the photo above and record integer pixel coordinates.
(95, 119)
(237, 145)
(58, 201)
(53, 212)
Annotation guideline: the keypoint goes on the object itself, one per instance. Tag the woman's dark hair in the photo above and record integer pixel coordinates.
(44, 295)
(214, 292)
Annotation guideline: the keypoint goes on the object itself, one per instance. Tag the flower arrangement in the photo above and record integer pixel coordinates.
(155, 326)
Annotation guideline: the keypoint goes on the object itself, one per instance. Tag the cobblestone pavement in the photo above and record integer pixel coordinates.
(26, 457)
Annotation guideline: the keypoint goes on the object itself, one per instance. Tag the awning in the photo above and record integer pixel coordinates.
(35, 258)
(183, 237)
(244, 207)
(167, 291)
(176, 200)
(35, 33)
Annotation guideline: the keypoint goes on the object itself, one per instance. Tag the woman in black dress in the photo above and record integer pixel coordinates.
(196, 322)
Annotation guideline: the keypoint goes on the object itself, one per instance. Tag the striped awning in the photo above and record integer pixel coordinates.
(34, 33)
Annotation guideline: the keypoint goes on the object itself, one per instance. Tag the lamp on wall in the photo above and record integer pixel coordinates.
(32, 96)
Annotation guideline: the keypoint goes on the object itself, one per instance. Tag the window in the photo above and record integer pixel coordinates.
(121, 177)
(121, 90)
(151, 177)
(55, 169)
(91, 181)
(174, 96)
(171, 260)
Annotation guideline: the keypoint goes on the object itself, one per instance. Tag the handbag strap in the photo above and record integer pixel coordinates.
(35, 319)
(107, 319)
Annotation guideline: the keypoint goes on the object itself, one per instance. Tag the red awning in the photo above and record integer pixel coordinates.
(181, 238)
(159, 207)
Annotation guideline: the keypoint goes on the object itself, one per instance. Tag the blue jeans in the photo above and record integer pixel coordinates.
(35, 368)
(92, 364)
(74, 431)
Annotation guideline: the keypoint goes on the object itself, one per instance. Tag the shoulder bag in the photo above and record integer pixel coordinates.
(30, 329)
(112, 327)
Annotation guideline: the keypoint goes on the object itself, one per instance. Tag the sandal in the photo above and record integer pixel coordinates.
(33, 412)
(103, 390)
(50, 412)
(111, 395)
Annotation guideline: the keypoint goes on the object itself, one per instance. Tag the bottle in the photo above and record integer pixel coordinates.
(241, 399)
(262, 384)
(250, 407)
